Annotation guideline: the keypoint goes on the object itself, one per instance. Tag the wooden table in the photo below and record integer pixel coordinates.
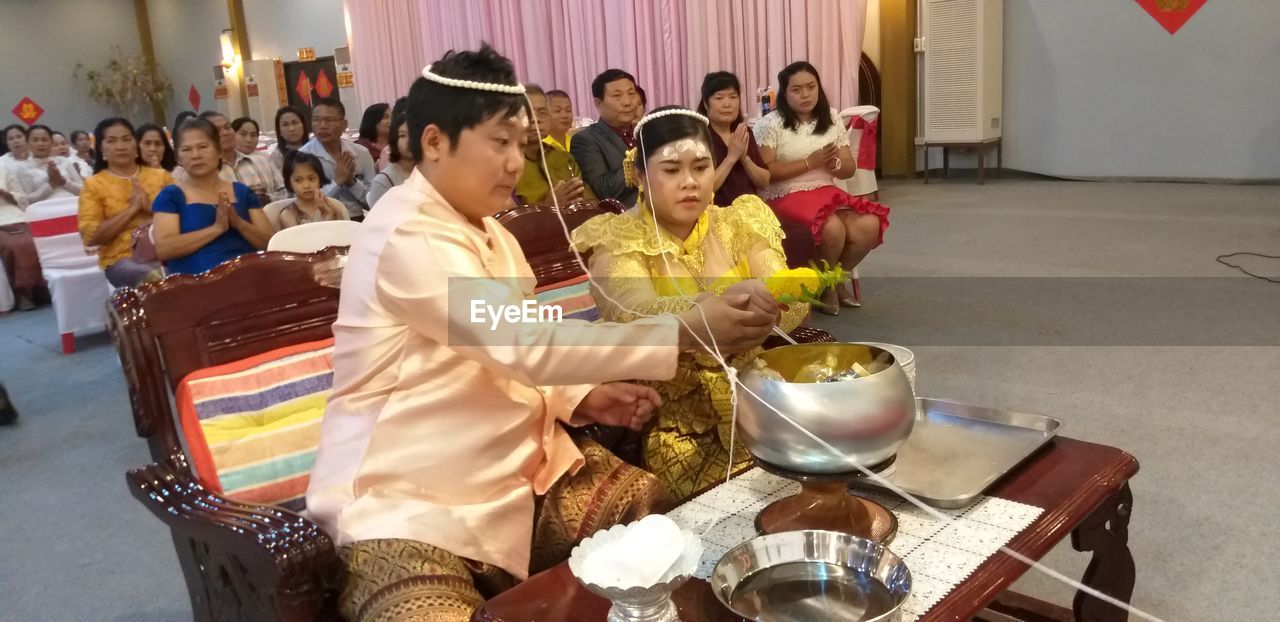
(1083, 488)
(980, 146)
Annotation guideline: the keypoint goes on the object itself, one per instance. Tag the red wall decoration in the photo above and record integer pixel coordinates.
(28, 110)
(1172, 14)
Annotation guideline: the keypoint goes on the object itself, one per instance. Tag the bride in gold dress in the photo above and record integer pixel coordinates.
(661, 257)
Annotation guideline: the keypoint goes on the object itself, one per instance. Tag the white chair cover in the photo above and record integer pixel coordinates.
(272, 210)
(6, 292)
(314, 236)
(864, 180)
(78, 287)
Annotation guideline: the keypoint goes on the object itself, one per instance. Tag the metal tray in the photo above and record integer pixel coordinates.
(956, 450)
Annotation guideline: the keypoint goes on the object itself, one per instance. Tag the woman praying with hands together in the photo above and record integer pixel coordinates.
(203, 220)
(739, 167)
(154, 147)
(116, 201)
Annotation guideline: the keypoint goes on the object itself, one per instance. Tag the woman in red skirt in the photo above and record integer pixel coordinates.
(807, 149)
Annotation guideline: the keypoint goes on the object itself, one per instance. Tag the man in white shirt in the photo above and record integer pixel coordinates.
(349, 169)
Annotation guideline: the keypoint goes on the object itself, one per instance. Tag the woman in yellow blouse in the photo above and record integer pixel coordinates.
(664, 254)
(116, 201)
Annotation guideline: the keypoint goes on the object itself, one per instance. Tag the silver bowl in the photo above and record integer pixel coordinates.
(813, 576)
(865, 419)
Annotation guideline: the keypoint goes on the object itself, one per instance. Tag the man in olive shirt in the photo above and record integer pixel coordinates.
(566, 182)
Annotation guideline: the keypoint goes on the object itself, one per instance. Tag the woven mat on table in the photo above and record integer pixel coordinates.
(940, 555)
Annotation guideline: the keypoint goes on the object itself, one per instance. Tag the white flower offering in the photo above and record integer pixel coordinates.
(646, 553)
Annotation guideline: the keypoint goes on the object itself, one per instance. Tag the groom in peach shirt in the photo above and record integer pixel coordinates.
(444, 471)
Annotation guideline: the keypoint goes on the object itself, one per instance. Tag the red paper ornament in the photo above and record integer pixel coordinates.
(28, 110)
(1171, 14)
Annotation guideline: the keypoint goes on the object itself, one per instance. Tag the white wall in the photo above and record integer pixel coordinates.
(277, 28)
(41, 43)
(1096, 88)
(186, 36)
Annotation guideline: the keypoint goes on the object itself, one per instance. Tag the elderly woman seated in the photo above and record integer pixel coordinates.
(116, 202)
(203, 220)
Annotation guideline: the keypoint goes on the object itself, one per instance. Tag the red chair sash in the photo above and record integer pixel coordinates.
(867, 144)
(54, 226)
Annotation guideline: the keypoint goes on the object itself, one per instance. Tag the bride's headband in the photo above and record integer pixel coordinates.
(629, 158)
(666, 113)
(510, 89)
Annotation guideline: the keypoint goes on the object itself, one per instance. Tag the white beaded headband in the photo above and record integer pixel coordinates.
(511, 89)
(666, 113)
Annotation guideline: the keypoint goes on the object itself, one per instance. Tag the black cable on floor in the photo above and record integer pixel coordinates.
(1222, 259)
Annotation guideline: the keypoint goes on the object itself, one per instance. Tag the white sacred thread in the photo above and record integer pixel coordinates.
(731, 373)
(510, 89)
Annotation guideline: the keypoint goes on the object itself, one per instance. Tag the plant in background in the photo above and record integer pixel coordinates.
(125, 83)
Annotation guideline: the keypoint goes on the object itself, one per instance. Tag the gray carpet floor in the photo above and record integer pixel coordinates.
(1194, 398)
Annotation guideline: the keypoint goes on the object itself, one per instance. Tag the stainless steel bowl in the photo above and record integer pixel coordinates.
(812, 576)
(866, 419)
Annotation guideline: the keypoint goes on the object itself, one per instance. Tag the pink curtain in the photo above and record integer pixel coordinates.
(386, 47)
(755, 39)
(669, 45)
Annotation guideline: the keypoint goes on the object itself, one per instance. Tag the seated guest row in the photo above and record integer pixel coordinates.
(30, 172)
(793, 159)
(200, 220)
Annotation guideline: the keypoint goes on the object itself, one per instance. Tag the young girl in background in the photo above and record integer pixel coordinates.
(304, 177)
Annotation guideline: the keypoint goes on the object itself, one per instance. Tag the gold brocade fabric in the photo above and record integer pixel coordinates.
(642, 274)
(392, 579)
(606, 491)
(396, 580)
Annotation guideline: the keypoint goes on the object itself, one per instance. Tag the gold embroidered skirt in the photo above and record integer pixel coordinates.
(406, 580)
(688, 446)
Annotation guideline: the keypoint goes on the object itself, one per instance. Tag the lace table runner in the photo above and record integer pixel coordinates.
(940, 555)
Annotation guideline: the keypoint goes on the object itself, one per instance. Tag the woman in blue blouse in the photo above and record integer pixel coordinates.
(203, 221)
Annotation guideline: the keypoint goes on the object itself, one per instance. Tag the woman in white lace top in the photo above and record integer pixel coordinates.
(806, 149)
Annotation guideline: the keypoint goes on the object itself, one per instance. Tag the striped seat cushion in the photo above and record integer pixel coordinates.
(252, 426)
(573, 296)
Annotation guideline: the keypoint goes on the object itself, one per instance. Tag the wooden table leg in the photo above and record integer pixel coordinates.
(1111, 571)
(1000, 158)
(982, 162)
(946, 162)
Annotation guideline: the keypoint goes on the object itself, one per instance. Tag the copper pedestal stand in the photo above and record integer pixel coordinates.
(824, 502)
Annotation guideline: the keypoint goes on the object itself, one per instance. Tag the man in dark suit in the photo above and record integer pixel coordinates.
(600, 148)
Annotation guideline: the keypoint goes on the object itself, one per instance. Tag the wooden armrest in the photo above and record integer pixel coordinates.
(260, 562)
